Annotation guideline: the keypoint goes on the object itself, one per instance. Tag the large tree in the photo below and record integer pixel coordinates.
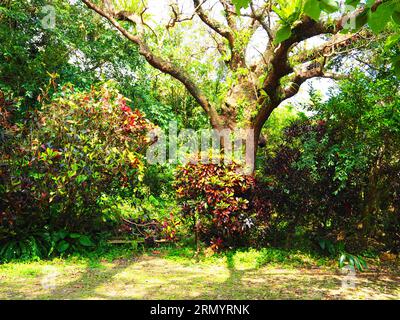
(261, 85)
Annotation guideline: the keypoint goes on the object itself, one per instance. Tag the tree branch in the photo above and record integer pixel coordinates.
(163, 65)
(214, 24)
(328, 49)
(228, 32)
(230, 18)
(177, 16)
(260, 17)
(280, 67)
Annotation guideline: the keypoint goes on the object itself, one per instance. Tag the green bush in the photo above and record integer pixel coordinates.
(336, 174)
(64, 168)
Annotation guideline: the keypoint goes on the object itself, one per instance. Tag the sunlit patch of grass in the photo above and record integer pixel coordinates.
(291, 258)
(245, 258)
(182, 254)
(174, 273)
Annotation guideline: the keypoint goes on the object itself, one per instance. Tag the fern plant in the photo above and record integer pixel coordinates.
(30, 248)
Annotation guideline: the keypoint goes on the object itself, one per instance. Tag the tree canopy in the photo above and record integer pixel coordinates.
(258, 85)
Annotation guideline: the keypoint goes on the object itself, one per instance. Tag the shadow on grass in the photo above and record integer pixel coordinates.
(157, 277)
(306, 284)
(87, 283)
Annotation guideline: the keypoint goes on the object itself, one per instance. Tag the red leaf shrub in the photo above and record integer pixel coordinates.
(216, 198)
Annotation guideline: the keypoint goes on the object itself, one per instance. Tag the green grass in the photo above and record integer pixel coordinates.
(251, 258)
(175, 273)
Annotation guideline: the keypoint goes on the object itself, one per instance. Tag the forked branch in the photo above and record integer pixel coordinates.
(162, 64)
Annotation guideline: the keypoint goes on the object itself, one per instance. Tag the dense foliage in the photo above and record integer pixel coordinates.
(336, 175)
(73, 46)
(66, 169)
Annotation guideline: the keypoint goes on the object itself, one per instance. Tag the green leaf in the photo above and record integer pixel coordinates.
(60, 235)
(312, 9)
(329, 6)
(74, 235)
(153, 200)
(363, 263)
(396, 17)
(397, 70)
(351, 260)
(357, 264)
(283, 34)
(378, 19)
(239, 4)
(71, 173)
(352, 3)
(361, 19)
(85, 241)
(81, 178)
(331, 248)
(62, 246)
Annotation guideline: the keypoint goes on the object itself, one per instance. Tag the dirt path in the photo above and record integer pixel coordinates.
(153, 277)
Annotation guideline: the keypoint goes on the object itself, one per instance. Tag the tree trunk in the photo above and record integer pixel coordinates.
(372, 194)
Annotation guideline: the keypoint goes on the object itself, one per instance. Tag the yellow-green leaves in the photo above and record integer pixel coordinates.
(289, 12)
(130, 5)
(376, 17)
(391, 41)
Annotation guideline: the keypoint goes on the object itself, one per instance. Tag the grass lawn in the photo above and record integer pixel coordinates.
(170, 273)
